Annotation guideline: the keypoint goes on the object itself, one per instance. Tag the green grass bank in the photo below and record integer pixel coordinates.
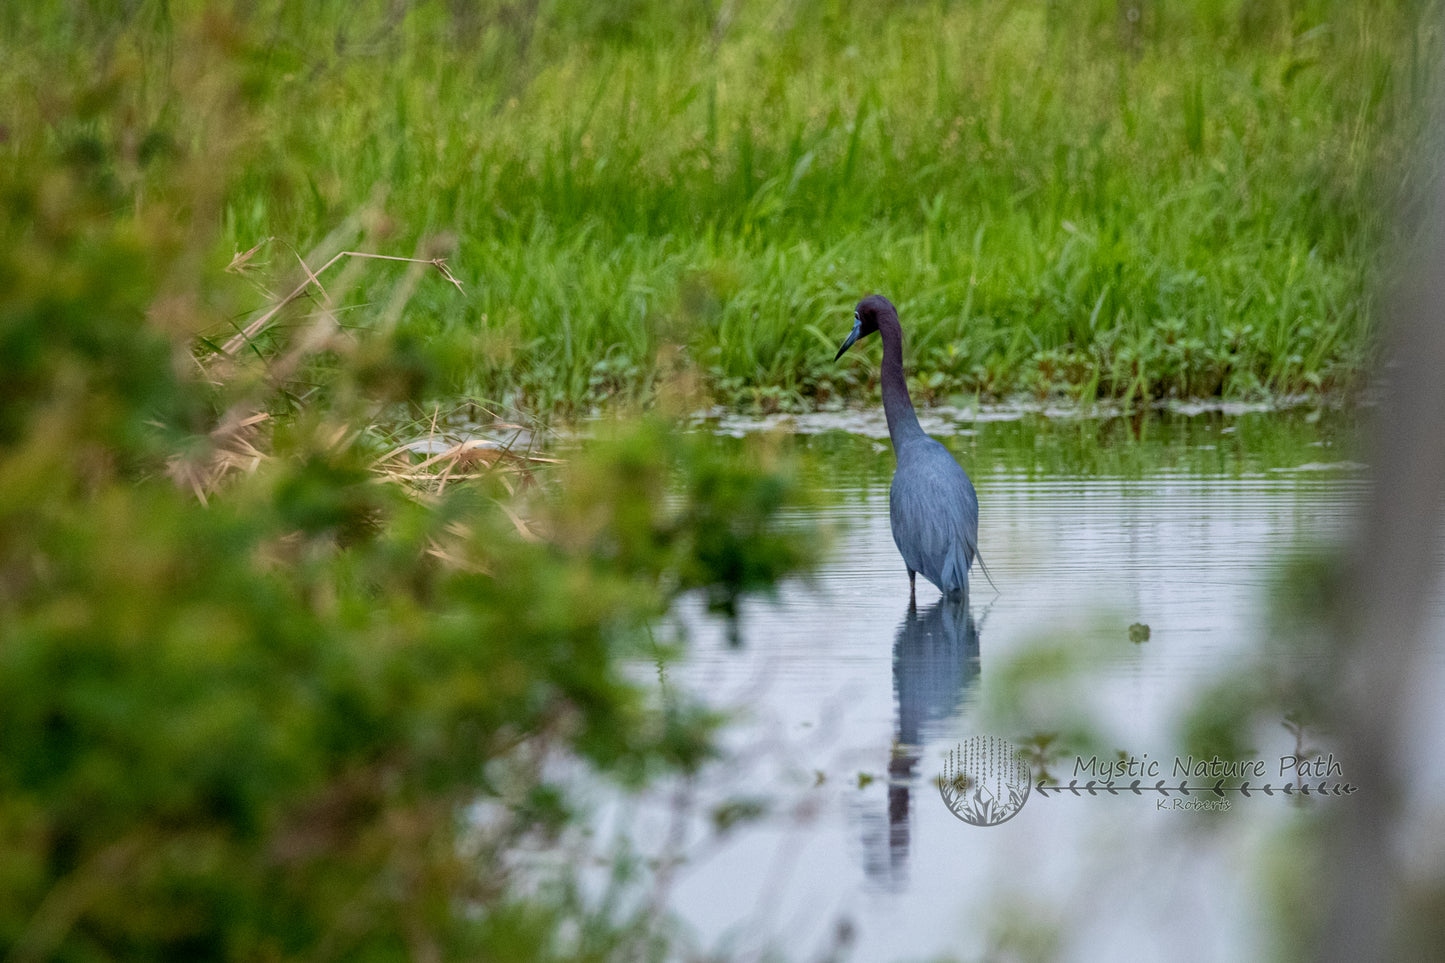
(1096, 199)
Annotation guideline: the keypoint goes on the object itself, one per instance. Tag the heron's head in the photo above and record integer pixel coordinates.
(865, 319)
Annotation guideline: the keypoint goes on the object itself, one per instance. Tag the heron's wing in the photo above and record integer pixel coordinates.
(915, 531)
(934, 511)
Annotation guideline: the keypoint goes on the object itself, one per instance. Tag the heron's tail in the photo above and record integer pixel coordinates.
(954, 577)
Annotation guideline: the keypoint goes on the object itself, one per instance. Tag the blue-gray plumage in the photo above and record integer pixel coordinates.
(932, 504)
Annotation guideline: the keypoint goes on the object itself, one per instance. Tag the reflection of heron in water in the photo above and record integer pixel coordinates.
(935, 661)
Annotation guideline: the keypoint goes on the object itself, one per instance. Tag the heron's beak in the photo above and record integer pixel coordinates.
(857, 326)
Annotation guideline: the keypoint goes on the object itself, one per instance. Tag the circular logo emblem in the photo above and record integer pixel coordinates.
(985, 781)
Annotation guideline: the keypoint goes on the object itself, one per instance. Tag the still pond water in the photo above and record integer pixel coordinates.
(847, 703)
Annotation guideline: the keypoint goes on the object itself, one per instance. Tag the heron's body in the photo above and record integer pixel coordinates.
(934, 511)
(932, 504)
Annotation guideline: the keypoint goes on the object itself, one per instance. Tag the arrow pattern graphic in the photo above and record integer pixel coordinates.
(1095, 787)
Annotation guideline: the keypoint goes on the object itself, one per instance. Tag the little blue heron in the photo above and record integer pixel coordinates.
(931, 503)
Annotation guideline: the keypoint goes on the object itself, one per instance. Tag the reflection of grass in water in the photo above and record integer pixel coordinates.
(1204, 445)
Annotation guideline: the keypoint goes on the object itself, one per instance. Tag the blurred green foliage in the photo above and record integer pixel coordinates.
(259, 726)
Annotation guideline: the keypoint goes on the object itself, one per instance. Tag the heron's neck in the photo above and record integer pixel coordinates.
(897, 406)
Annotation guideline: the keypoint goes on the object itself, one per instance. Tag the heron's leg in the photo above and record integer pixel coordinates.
(912, 590)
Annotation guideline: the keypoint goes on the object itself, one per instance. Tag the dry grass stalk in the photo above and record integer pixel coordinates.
(232, 448)
(242, 337)
(459, 461)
